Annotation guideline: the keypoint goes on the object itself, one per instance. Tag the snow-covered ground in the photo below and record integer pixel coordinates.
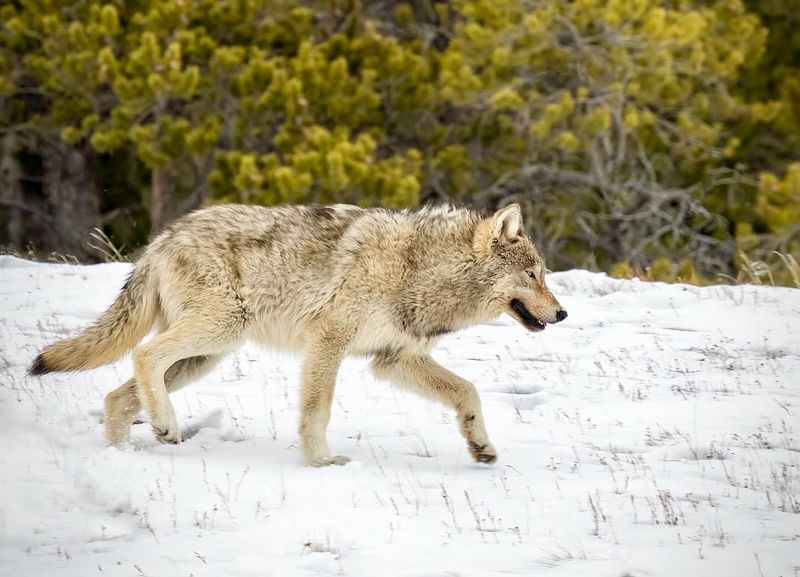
(653, 433)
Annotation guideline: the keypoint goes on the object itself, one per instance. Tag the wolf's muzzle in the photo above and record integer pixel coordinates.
(530, 322)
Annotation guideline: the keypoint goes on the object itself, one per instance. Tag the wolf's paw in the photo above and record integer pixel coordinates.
(165, 426)
(117, 433)
(167, 435)
(329, 460)
(119, 440)
(483, 453)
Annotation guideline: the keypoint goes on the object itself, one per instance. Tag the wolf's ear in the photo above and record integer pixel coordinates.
(507, 224)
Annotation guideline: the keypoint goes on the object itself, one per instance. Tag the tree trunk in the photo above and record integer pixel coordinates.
(11, 200)
(161, 203)
(72, 195)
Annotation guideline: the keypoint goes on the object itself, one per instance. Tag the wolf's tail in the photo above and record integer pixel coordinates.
(117, 331)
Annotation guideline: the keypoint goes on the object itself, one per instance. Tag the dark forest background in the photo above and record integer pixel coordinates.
(651, 137)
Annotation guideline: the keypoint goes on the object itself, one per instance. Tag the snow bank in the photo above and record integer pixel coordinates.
(655, 432)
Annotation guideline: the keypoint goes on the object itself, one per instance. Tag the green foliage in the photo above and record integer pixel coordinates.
(662, 270)
(641, 132)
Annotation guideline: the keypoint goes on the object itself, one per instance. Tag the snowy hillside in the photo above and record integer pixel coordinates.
(656, 432)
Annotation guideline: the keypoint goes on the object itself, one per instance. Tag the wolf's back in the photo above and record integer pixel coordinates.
(117, 331)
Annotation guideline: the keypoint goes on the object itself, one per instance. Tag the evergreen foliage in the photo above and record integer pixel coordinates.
(636, 134)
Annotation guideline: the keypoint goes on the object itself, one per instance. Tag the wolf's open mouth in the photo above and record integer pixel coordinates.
(531, 322)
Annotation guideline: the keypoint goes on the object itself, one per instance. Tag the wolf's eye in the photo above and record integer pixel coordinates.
(532, 274)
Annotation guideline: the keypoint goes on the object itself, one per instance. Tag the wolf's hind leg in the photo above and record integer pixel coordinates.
(428, 378)
(122, 404)
(153, 360)
(184, 371)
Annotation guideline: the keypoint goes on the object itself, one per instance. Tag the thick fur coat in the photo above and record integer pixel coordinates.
(324, 281)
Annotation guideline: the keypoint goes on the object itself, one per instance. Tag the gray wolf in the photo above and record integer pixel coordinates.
(325, 281)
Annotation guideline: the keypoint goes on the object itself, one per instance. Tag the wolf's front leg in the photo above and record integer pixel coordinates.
(318, 382)
(432, 380)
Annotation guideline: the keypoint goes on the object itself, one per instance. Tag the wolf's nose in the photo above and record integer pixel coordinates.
(561, 315)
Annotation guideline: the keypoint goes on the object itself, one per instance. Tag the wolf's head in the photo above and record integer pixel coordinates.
(512, 264)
